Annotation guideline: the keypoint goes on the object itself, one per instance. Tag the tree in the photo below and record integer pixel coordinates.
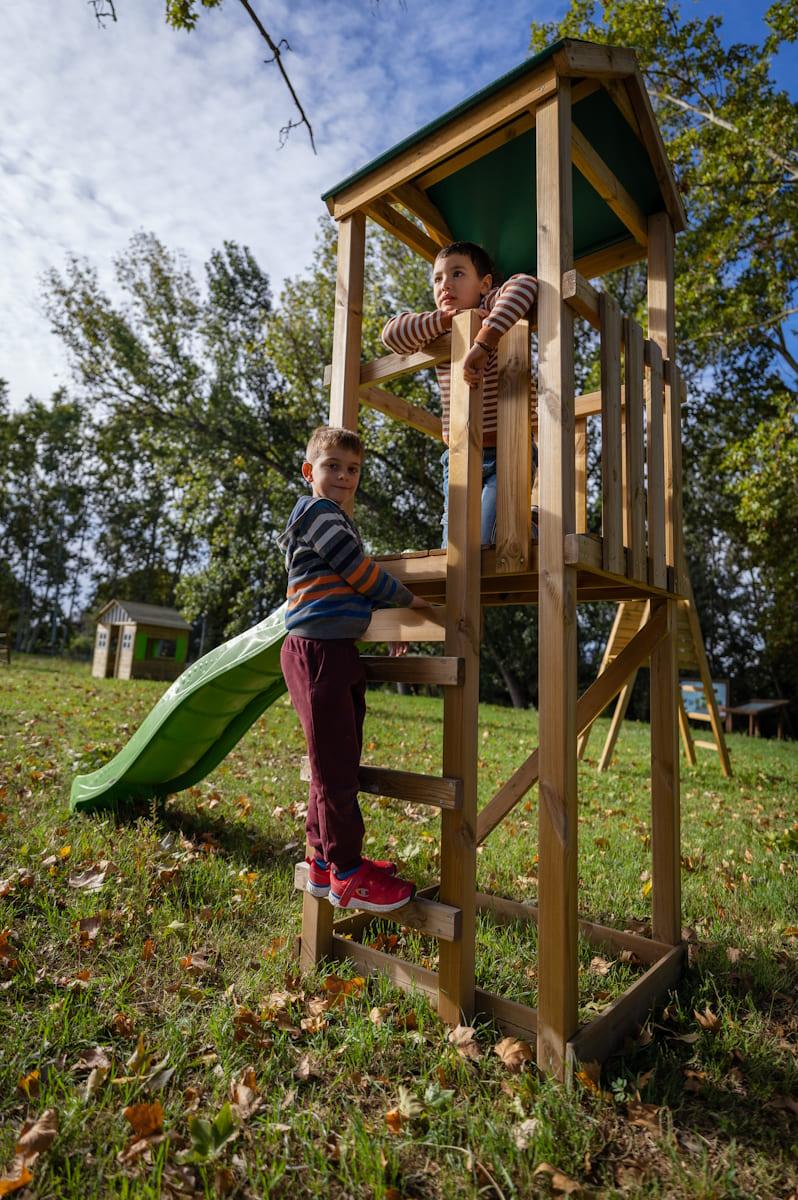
(731, 135)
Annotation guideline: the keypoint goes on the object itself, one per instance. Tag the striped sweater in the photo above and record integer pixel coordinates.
(409, 332)
(332, 585)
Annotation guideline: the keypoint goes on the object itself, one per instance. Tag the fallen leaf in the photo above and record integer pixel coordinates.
(197, 963)
(589, 1075)
(245, 1096)
(38, 1136)
(708, 1020)
(464, 1039)
(693, 1080)
(93, 878)
(147, 949)
(377, 1015)
(122, 1025)
(29, 1084)
(9, 1183)
(95, 1081)
(89, 1059)
(139, 1059)
(88, 928)
(525, 1133)
(145, 1119)
(733, 954)
(560, 1183)
(644, 1115)
(514, 1053)
(307, 1068)
(601, 966)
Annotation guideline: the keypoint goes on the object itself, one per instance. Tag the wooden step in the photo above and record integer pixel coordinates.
(427, 916)
(438, 791)
(415, 668)
(406, 625)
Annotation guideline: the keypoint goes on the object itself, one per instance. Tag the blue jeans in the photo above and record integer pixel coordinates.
(487, 533)
(488, 525)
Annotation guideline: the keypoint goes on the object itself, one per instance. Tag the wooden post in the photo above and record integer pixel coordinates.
(580, 448)
(633, 424)
(345, 379)
(655, 457)
(611, 437)
(665, 804)
(557, 844)
(461, 705)
(513, 453)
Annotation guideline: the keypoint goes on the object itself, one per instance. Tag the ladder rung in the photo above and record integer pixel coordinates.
(439, 791)
(415, 668)
(406, 625)
(705, 745)
(428, 916)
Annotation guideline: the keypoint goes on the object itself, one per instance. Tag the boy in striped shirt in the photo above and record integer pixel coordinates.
(332, 589)
(462, 278)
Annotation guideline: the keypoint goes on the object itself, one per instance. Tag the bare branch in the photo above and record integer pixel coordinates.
(103, 11)
(276, 49)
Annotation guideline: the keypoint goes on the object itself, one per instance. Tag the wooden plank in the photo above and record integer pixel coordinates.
(673, 437)
(472, 125)
(557, 838)
(406, 625)
(633, 424)
(611, 448)
(612, 258)
(665, 796)
(513, 453)
(347, 328)
(616, 90)
(402, 410)
(688, 608)
(655, 462)
(506, 911)
(610, 652)
(582, 297)
(460, 705)
(476, 150)
(589, 58)
(652, 140)
(705, 746)
(416, 201)
(393, 366)
(405, 230)
(427, 916)
(316, 940)
(592, 702)
(409, 786)
(414, 668)
(404, 975)
(580, 450)
(687, 734)
(606, 1032)
(590, 164)
(514, 1019)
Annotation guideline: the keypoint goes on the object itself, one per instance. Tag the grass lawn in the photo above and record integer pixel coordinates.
(148, 995)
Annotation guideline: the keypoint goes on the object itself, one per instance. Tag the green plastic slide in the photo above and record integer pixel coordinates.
(205, 712)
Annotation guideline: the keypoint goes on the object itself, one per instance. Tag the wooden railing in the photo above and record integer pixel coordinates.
(640, 467)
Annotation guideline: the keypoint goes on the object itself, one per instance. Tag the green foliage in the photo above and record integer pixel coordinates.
(183, 14)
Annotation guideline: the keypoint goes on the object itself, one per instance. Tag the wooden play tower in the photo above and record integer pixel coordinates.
(559, 170)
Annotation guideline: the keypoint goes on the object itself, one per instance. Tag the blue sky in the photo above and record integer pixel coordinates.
(106, 132)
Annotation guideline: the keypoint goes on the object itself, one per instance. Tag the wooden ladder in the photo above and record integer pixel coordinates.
(457, 623)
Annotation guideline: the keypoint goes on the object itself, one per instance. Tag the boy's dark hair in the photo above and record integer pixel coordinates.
(479, 256)
(330, 437)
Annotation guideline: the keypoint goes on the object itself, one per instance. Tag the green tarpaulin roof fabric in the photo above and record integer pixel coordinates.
(492, 200)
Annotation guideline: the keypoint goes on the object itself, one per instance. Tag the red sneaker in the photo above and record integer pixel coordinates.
(371, 889)
(318, 883)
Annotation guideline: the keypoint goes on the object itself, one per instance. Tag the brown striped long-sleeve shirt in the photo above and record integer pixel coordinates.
(409, 332)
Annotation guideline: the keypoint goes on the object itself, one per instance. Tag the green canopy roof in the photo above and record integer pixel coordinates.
(492, 200)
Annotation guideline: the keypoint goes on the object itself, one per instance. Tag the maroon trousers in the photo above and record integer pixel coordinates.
(327, 685)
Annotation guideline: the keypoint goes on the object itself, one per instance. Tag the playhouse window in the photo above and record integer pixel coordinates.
(161, 647)
(102, 640)
(127, 641)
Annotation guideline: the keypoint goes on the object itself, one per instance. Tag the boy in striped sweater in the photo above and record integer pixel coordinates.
(462, 278)
(332, 589)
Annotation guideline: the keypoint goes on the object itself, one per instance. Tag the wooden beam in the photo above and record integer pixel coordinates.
(557, 840)
(470, 126)
(460, 705)
(402, 410)
(513, 453)
(580, 446)
(655, 462)
(404, 975)
(592, 702)
(658, 155)
(409, 786)
(633, 424)
(588, 58)
(616, 90)
(392, 366)
(436, 669)
(514, 1019)
(609, 187)
(613, 558)
(606, 1032)
(699, 650)
(416, 201)
(612, 258)
(486, 145)
(427, 916)
(506, 911)
(406, 625)
(687, 734)
(405, 230)
(618, 714)
(345, 372)
(582, 297)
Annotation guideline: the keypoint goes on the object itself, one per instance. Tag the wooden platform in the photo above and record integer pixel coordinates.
(424, 572)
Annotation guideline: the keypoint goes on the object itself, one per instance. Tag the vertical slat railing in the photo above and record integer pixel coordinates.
(611, 451)
(633, 423)
(655, 461)
(513, 453)
(580, 447)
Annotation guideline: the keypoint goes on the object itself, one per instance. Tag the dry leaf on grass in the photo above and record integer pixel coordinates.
(589, 1075)
(36, 1136)
(198, 963)
(89, 1059)
(307, 1068)
(561, 1185)
(245, 1096)
(514, 1053)
(708, 1020)
(93, 878)
(464, 1040)
(145, 1119)
(29, 1084)
(646, 1116)
(88, 928)
(526, 1132)
(601, 966)
(122, 1025)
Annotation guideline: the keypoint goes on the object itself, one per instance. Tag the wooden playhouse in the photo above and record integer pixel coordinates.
(559, 169)
(139, 641)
